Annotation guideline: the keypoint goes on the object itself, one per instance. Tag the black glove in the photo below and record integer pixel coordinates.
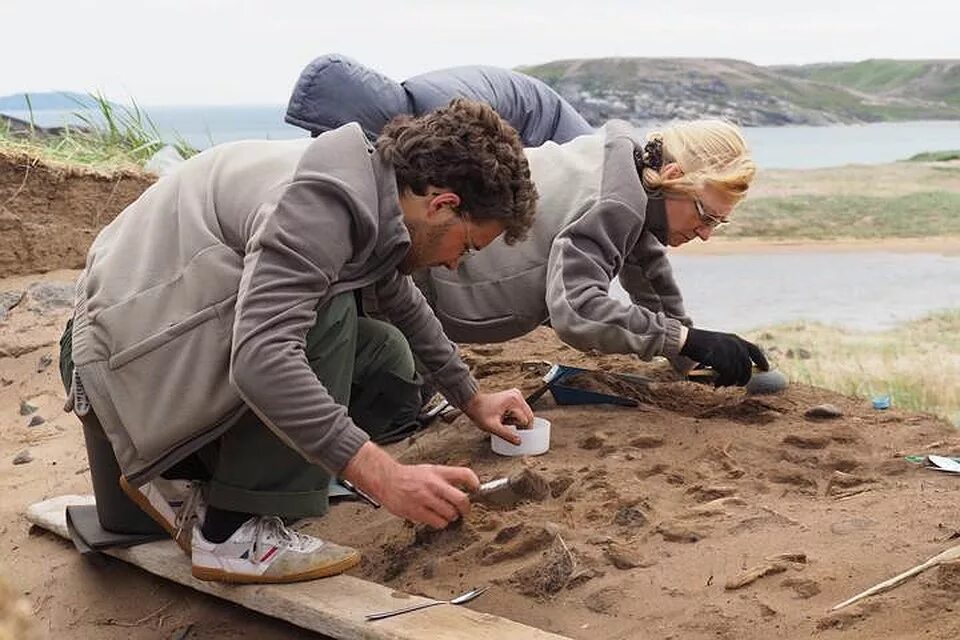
(729, 355)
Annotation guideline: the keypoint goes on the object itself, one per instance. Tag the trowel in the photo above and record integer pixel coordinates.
(524, 486)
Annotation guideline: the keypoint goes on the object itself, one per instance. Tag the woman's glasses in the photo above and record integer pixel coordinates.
(708, 219)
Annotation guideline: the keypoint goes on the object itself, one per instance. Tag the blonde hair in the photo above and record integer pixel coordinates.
(710, 152)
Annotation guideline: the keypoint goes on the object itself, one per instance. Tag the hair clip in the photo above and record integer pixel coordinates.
(653, 154)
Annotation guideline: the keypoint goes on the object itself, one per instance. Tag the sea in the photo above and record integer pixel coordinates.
(867, 291)
(791, 147)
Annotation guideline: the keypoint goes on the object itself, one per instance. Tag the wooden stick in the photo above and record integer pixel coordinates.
(952, 553)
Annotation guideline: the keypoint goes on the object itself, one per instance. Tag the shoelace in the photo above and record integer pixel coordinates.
(273, 526)
(187, 512)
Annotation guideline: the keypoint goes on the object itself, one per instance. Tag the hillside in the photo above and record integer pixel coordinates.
(48, 100)
(644, 89)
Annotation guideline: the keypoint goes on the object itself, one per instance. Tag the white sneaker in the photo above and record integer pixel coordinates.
(176, 505)
(264, 550)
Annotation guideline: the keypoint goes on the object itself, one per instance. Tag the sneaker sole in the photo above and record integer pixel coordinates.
(183, 541)
(219, 575)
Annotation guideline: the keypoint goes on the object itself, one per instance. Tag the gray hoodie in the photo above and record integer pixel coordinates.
(196, 300)
(588, 229)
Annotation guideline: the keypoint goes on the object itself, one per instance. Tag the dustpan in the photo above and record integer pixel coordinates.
(567, 395)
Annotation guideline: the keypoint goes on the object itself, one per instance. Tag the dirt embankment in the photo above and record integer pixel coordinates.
(49, 214)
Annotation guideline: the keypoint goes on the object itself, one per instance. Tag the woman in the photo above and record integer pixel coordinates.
(597, 218)
(609, 205)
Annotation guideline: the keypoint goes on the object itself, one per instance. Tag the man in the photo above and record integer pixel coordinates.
(217, 316)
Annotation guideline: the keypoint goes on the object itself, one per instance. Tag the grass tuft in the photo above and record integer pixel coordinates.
(109, 137)
(935, 156)
(917, 364)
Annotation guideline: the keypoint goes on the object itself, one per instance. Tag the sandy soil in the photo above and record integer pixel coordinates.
(653, 512)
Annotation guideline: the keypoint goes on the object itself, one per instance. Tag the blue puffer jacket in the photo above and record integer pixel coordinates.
(335, 89)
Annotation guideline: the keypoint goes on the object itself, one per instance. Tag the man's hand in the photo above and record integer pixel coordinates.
(728, 354)
(425, 493)
(489, 410)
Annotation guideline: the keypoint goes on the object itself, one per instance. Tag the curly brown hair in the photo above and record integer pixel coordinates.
(468, 148)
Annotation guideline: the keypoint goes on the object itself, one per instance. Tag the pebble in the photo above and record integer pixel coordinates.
(36, 421)
(23, 457)
(26, 408)
(764, 382)
(824, 412)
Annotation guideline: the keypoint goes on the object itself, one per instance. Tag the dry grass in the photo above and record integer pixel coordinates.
(917, 364)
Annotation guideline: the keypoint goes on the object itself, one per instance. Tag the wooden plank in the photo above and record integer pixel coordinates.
(333, 606)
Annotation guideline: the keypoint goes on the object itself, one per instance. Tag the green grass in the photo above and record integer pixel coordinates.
(924, 214)
(870, 75)
(935, 156)
(108, 138)
(917, 364)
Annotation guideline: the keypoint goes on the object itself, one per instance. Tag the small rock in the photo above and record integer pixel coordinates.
(43, 363)
(824, 412)
(764, 382)
(26, 408)
(4, 382)
(23, 457)
(36, 421)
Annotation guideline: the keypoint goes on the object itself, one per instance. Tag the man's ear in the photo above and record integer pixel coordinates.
(445, 199)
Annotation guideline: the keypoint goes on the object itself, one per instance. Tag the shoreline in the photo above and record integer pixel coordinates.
(943, 245)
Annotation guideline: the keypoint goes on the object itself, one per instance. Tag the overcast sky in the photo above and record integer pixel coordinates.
(251, 51)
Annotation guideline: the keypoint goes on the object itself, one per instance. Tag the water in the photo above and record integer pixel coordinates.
(815, 147)
(201, 127)
(867, 291)
(773, 147)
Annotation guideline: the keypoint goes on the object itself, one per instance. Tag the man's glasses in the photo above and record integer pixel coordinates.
(708, 219)
(470, 248)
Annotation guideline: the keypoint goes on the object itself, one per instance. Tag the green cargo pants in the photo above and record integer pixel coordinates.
(364, 364)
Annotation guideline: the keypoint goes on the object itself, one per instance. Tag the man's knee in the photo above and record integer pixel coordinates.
(390, 351)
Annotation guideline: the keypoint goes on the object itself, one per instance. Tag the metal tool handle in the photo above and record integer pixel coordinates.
(396, 612)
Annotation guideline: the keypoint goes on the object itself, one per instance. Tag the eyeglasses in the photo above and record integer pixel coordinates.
(471, 248)
(708, 219)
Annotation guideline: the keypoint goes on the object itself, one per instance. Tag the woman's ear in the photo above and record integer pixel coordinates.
(671, 171)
